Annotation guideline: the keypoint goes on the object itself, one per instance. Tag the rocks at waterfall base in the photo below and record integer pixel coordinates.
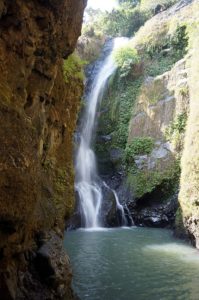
(110, 214)
(38, 111)
(155, 213)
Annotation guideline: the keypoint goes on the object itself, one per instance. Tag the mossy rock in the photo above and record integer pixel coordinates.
(145, 181)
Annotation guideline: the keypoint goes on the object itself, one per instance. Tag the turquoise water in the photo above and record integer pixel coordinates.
(132, 264)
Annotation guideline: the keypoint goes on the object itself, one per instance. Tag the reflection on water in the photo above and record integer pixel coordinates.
(179, 251)
(132, 264)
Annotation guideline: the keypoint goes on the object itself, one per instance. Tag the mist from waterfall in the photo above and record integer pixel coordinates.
(87, 180)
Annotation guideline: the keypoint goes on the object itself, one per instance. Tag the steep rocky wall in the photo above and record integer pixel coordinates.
(159, 114)
(160, 101)
(142, 119)
(89, 47)
(189, 191)
(38, 111)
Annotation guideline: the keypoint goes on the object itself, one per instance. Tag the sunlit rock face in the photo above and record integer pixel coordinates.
(189, 195)
(38, 112)
(158, 98)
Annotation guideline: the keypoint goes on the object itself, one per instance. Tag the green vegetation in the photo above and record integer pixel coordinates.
(124, 98)
(184, 91)
(178, 125)
(126, 19)
(126, 54)
(116, 111)
(150, 5)
(119, 104)
(117, 108)
(175, 131)
(156, 47)
(146, 181)
(138, 146)
(126, 58)
(179, 41)
(123, 21)
(124, 88)
(170, 46)
(159, 66)
(73, 68)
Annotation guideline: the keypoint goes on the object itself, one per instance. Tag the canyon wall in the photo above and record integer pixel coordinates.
(142, 122)
(189, 184)
(38, 111)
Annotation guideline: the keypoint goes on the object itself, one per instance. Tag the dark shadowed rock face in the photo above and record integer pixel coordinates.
(38, 111)
(154, 212)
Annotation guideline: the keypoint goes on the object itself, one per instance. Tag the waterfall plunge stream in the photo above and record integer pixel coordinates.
(87, 180)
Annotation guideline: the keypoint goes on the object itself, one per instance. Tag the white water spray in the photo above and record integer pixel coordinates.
(87, 181)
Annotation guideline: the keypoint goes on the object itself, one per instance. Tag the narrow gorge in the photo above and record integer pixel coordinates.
(99, 149)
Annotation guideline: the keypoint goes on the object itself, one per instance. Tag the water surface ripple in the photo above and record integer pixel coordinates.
(132, 264)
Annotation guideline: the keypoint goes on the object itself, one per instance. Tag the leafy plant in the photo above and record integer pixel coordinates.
(174, 132)
(116, 111)
(122, 21)
(126, 57)
(138, 146)
(179, 41)
(178, 125)
(126, 54)
(124, 97)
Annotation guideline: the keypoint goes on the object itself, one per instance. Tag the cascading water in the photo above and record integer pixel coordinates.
(87, 180)
(120, 208)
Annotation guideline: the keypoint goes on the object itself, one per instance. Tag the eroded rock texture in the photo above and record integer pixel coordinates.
(38, 112)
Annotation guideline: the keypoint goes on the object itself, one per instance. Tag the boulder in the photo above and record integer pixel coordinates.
(157, 213)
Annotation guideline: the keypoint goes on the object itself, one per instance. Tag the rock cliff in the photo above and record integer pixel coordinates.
(142, 122)
(189, 194)
(159, 114)
(38, 111)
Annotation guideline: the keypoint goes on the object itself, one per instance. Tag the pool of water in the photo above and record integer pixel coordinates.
(132, 264)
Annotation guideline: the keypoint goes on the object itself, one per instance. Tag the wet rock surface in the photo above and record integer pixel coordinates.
(49, 271)
(156, 213)
(110, 215)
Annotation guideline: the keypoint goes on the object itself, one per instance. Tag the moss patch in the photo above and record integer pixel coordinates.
(145, 181)
(116, 110)
(73, 68)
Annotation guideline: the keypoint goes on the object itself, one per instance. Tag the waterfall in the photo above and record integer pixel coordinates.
(87, 180)
(120, 209)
